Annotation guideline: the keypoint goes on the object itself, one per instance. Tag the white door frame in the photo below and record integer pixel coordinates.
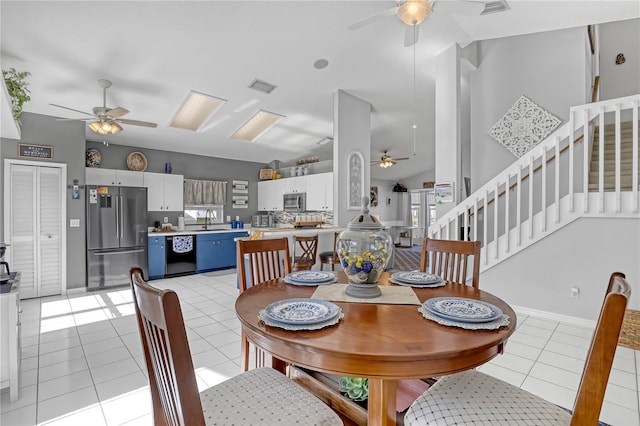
(8, 162)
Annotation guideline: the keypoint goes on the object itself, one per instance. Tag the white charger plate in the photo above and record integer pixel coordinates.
(462, 309)
(301, 311)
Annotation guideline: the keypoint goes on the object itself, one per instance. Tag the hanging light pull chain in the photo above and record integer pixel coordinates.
(415, 126)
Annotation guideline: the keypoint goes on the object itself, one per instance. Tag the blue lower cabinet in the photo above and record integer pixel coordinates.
(216, 251)
(156, 253)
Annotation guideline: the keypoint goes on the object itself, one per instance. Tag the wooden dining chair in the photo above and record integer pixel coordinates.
(260, 261)
(305, 250)
(450, 259)
(464, 397)
(330, 257)
(260, 396)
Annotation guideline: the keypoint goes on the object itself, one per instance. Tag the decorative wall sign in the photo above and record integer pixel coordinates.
(355, 180)
(240, 201)
(523, 126)
(44, 152)
(240, 187)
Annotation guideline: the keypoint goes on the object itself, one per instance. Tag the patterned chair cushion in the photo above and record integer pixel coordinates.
(264, 396)
(474, 398)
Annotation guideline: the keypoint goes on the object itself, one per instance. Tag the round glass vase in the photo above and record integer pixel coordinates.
(364, 250)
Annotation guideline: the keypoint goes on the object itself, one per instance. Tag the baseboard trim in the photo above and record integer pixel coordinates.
(552, 316)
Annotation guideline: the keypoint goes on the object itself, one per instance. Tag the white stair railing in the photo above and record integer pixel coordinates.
(548, 187)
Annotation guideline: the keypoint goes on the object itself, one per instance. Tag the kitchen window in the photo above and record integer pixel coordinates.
(196, 215)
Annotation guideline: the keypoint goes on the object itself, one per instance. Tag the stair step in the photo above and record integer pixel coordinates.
(610, 173)
(593, 187)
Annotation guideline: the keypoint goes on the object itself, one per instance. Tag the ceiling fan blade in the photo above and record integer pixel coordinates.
(136, 122)
(71, 109)
(375, 163)
(373, 18)
(117, 112)
(403, 158)
(411, 34)
(74, 119)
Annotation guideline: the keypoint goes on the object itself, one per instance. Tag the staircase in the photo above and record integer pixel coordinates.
(609, 158)
(576, 172)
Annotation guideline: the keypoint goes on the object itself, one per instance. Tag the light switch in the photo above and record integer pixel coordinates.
(74, 223)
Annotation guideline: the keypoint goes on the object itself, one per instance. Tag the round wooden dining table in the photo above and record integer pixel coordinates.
(383, 342)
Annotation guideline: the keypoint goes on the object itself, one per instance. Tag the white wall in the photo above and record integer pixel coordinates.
(582, 254)
(385, 211)
(548, 68)
(619, 37)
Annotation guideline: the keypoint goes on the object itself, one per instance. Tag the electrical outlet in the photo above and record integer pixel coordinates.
(575, 292)
(166, 219)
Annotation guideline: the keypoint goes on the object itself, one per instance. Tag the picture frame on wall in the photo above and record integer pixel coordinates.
(444, 192)
(374, 196)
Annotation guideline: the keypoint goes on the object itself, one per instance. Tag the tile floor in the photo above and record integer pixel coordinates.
(82, 360)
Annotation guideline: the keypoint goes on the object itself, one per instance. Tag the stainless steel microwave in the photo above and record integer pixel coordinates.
(295, 202)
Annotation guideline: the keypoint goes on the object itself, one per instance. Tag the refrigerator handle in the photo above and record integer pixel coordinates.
(117, 218)
(121, 217)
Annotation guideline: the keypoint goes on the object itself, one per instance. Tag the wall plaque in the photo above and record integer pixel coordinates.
(35, 151)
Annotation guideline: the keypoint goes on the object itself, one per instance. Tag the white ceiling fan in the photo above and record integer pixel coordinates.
(387, 161)
(105, 120)
(414, 12)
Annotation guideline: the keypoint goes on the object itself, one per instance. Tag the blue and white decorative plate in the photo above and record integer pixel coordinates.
(440, 283)
(305, 283)
(299, 327)
(301, 311)
(461, 309)
(311, 276)
(416, 277)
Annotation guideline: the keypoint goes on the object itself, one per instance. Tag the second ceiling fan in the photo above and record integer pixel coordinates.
(387, 161)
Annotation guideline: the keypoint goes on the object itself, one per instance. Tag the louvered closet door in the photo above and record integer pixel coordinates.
(36, 250)
(48, 225)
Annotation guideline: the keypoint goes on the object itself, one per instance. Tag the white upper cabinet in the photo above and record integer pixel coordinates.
(270, 195)
(165, 192)
(295, 184)
(96, 176)
(320, 192)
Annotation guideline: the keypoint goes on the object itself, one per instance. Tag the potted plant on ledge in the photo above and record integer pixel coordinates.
(16, 82)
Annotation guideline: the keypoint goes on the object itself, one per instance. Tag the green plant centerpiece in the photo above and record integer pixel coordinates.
(16, 82)
(355, 388)
(364, 250)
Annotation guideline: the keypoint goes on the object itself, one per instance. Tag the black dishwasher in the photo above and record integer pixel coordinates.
(181, 255)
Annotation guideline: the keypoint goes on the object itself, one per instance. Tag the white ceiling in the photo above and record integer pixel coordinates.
(155, 52)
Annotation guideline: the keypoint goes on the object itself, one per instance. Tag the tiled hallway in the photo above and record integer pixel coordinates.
(82, 360)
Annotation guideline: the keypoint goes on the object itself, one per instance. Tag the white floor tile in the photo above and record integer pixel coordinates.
(114, 370)
(65, 333)
(102, 345)
(578, 341)
(64, 405)
(564, 378)
(127, 407)
(565, 362)
(27, 378)
(530, 330)
(26, 396)
(89, 416)
(625, 364)
(61, 356)
(25, 416)
(541, 323)
(122, 385)
(59, 344)
(568, 350)
(108, 356)
(574, 330)
(211, 329)
(624, 379)
(621, 396)
(60, 369)
(525, 339)
(550, 391)
(64, 384)
(616, 415)
(513, 362)
(522, 350)
(509, 376)
(97, 336)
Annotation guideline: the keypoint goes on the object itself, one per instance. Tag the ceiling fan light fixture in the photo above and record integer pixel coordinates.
(386, 163)
(103, 127)
(196, 109)
(257, 125)
(413, 12)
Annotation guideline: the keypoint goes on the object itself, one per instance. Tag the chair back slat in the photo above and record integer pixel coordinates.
(450, 259)
(305, 251)
(172, 381)
(262, 260)
(597, 368)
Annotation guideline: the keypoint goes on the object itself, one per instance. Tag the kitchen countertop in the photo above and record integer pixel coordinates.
(197, 232)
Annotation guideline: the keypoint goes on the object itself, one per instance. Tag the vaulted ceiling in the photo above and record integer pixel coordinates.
(155, 52)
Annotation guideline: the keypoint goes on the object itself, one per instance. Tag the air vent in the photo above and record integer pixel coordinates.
(495, 6)
(262, 86)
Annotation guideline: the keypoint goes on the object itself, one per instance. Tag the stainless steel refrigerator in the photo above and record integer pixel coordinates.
(116, 234)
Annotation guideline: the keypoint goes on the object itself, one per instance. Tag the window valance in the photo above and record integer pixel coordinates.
(204, 192)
